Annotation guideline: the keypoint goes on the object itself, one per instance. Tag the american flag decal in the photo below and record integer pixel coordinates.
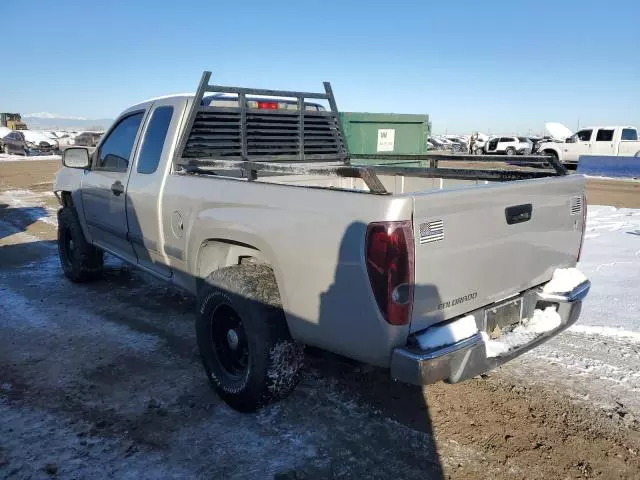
(431, 231)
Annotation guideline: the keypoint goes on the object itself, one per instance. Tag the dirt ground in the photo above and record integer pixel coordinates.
(103, 380)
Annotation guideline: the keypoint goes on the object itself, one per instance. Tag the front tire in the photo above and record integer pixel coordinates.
(245, 345)
(80, 261)
(510, 151)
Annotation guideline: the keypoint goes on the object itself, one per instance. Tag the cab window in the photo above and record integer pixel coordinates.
(154, 139)
(604, 135)
(584, 135)
(115, 151)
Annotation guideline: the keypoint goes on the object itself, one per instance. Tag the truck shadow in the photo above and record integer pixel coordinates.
(370, 388)
(373, 386)
(19, 218)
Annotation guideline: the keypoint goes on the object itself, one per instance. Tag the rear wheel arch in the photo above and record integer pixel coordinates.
(217, 253)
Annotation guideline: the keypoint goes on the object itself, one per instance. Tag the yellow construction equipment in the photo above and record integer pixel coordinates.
(12, 121)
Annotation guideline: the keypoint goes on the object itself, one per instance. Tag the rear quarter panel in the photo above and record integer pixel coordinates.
(314, 240)
(628, 148)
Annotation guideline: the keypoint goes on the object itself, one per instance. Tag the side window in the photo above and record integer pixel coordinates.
(604, 135)
(505, 139)
(629, 134)
(153, 142)
(584, 135)
(116, 150)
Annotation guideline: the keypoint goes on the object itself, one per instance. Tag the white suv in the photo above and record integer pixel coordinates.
(509, 145)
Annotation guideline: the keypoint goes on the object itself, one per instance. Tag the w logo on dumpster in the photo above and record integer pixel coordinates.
(386, 139)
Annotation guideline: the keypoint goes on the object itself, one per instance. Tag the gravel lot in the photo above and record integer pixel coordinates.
(103, 380)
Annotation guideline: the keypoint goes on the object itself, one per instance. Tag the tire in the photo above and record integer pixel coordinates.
(5, 149)
(510, 151)
(246, 349)
(550, 153)
(80, 261)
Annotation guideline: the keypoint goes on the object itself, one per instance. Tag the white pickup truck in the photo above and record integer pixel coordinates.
(252, 205)
(604, 141)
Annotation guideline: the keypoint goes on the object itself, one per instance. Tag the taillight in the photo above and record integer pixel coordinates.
(390, 263)
(268, 105)
(584, 224)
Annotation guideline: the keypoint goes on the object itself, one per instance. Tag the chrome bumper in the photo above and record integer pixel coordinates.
(468, 358)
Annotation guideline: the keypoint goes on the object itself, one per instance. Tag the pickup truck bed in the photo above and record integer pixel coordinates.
(364, 261)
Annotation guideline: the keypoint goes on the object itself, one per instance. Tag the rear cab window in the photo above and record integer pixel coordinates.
(629, 134)
(154, 139)
(604, 135)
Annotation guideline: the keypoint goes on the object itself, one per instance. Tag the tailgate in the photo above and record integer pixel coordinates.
(478, 245)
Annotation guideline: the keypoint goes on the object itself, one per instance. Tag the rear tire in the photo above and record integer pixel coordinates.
(80, 261)
(245, 345)
(510, 151)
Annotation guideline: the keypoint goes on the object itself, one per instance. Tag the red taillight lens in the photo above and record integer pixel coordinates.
(390, 264)
(268, 105)
(584, 224)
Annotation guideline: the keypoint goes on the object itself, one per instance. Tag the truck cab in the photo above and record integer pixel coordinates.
(600, 141)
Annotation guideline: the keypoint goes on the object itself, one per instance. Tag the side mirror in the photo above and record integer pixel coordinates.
(76, 157)
(571, 140)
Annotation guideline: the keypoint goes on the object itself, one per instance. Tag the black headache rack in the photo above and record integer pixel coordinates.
(307, 141)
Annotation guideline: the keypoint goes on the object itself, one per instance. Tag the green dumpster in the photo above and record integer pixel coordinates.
(386, 134)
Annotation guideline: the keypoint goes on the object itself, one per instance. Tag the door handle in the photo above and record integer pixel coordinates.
(117, 188)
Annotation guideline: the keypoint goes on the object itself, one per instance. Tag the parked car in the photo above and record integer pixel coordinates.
(13, 143)
(63, 139)
(605, 141)
(39, 144)
(87, 139)
(422, 277)
(509, 146)
(459, 144)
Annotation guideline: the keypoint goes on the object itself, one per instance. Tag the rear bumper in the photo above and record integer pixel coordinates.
(468, 358)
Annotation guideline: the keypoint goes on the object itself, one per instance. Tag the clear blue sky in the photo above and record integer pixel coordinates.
(495, 65)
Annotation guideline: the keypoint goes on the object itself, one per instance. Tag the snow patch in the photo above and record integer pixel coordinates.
(564, 280)
(442, 335)
(606, 332)
(541, 322)
(22, 158)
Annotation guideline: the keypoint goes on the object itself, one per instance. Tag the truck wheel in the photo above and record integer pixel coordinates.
(80, 260)
(245, 345)
(510, 151)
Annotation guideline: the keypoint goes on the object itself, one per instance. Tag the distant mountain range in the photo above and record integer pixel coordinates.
(51, 121)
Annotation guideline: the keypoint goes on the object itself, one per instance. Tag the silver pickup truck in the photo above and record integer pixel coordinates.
(248, 199)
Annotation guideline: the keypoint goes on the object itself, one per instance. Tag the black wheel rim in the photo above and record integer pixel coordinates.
(68, 246)
(229, 341)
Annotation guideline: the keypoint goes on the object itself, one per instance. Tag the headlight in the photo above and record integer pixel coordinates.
(31, 145)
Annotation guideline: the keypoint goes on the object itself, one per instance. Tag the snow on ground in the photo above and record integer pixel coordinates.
(21, 158)
(611, 259)
(598, 359)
